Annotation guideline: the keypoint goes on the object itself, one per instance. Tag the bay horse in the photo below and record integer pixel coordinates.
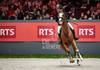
(66, 37)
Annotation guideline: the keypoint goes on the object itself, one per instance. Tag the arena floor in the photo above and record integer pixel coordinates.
(46, 64)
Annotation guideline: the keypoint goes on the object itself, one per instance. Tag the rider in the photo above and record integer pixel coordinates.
(60, 9)
(60, 12)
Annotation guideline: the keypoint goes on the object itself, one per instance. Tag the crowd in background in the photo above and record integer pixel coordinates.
(46, 9)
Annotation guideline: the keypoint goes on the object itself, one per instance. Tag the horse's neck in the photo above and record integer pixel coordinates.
(62, 15)
(65, 26)
(64, 21)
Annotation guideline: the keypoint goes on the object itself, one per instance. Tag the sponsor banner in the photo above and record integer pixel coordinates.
(87, 31)
(46, 31)
(28, 31)
(7, 31)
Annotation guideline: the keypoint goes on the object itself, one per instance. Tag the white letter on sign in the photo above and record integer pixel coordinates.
(6, 32)
(91, 31)
(81, 31)
(12, 32)
(86, 31)
(41, 32)
(46, 32)
(2, 32)
(51, 31)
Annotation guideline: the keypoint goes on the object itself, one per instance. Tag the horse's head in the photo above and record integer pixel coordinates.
(61, 17)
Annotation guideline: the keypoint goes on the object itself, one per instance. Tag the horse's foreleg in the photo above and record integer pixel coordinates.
(74, 45)
(77, 53)
(72, 41)
(64, 43)
(65, 47)
(67, 50)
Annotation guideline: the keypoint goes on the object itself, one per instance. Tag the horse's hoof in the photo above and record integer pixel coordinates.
(72, 61)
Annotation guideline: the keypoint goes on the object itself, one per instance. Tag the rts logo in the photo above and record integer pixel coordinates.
(7, 32)
(46, 32)
(86, 31)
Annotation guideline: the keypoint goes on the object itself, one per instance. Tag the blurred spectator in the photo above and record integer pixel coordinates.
(98, 10)
(46, 9)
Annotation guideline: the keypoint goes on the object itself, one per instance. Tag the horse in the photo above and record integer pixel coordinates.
(67, 37)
